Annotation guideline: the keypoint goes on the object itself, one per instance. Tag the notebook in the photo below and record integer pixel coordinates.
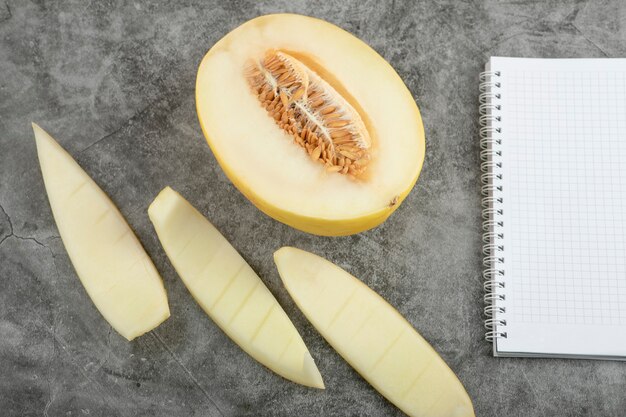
(553, 146)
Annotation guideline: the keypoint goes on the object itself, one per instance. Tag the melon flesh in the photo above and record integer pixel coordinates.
(229, 291)
(262, 159)
(112, 265)
(372, 337)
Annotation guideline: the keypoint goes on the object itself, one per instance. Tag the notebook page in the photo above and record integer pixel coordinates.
(564, 164)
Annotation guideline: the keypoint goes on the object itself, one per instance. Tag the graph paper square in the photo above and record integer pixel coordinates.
(563, 129)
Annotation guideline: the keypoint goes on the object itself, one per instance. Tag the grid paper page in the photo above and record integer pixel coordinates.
(564, 165)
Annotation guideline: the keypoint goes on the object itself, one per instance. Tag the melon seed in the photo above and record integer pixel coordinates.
(305, 106)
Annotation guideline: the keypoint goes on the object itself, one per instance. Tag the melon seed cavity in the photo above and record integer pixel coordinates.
(320, 120)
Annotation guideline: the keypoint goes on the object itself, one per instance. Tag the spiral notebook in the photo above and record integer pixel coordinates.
(553, 140)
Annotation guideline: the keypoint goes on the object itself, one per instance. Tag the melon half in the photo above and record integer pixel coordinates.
(313, 126)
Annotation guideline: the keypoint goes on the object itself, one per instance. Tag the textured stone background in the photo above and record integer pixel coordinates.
(114, 82)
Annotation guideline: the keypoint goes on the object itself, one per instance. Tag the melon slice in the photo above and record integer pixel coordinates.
(310, 124)
(229, 291)
(372, 336)
(112, 265)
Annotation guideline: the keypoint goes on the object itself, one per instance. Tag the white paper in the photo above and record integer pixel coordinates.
(564, 187)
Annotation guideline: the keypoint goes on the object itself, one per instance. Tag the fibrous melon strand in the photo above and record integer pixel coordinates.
(312, 111)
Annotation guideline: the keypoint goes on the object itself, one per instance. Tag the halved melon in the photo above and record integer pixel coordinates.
(310, 124)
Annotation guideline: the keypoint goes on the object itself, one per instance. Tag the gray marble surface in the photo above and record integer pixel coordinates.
(114, 82)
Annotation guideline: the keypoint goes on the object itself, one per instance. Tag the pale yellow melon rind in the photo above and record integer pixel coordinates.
(321, 225)
(109, 260)
(372, 337)
(229, 291)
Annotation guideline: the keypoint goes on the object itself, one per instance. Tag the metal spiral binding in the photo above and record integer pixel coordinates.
(492, 203)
